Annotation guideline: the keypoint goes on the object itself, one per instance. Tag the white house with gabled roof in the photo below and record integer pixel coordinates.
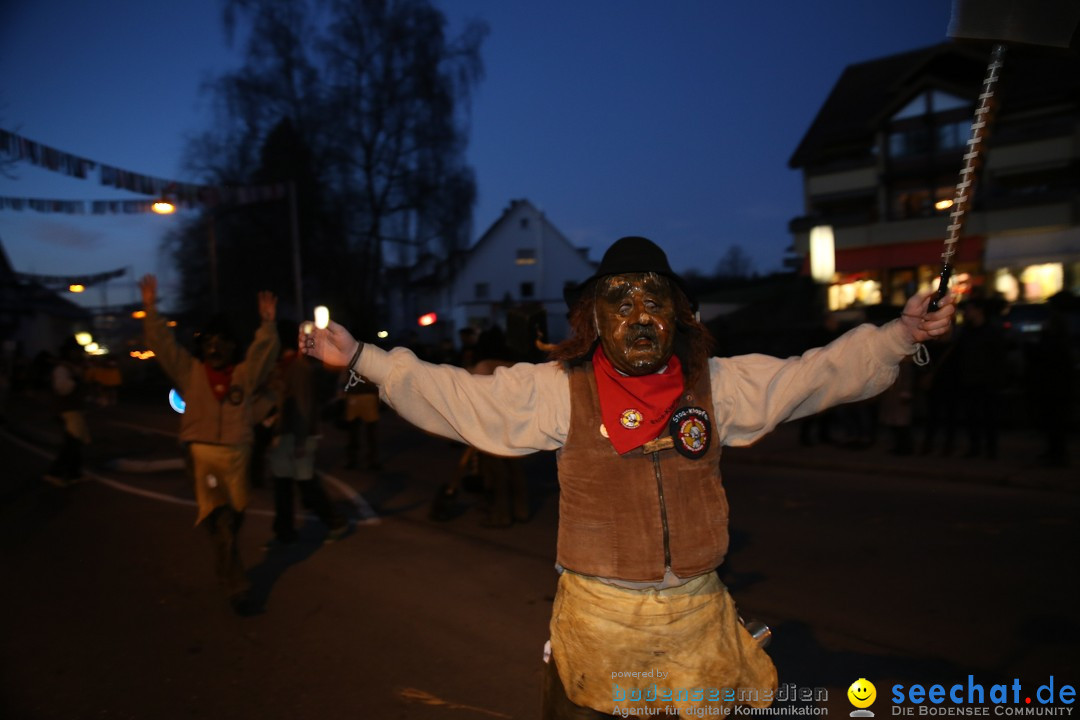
(512, 277)
(521, 264)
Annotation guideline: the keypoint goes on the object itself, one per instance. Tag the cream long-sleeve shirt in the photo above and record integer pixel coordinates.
(526, 407)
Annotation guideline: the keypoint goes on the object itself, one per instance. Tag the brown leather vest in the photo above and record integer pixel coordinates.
(631, 516)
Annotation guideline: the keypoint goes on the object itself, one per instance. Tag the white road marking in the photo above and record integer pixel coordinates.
(141, 428)
(367, 513)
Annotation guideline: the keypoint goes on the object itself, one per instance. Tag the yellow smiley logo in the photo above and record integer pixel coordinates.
(862, 693)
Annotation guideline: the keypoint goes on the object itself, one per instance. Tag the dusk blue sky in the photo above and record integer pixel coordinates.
(673, 119)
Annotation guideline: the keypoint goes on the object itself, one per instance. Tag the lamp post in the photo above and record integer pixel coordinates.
(294, 232)
(211, 251)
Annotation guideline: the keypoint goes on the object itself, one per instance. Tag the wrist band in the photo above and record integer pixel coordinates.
(356, 355)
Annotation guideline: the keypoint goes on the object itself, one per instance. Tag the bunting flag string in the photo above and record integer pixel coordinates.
(19, 148)
(183, 194)
(85, 280)
(77, 207)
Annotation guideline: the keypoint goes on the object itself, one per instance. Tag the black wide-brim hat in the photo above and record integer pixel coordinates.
(626, 255)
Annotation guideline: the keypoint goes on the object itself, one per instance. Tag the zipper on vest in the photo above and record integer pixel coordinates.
(663, 509)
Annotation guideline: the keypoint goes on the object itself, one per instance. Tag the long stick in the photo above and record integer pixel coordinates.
(980, 128)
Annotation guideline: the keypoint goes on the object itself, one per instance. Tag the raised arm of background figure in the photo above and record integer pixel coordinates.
(264, 349)
(174, 359)
(267, 306)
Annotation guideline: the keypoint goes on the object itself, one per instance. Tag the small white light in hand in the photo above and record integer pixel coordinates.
(322, 317)
(308, 327)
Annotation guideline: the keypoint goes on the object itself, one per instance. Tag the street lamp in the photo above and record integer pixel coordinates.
(822, 254)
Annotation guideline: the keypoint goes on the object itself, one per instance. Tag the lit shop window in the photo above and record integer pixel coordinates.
(1007, 284)
(855, 293)
(1041, 281)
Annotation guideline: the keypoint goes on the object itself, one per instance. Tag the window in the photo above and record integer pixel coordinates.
(483, 290)
(858, 293)
(901, 286)
(526, 256)
(524, 223)
(904, 143)
(526, 289)
(933, 121)
(942, 101)
(912, 201)
(953, 136)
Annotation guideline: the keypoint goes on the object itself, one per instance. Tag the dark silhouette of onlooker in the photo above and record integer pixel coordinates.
(361, 418)
(503, 477)
(938, 381)
(897, 409)
(1050, 365)
(69, 392)
(980, 352)
(291, 458)
(467, 350)
(263, 409)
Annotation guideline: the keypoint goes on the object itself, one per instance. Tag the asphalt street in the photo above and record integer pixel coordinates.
(899, 570)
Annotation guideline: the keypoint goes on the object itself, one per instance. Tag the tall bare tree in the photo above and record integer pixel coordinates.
(377, 94)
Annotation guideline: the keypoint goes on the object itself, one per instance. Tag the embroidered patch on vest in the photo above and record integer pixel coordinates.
(691, 430)
(630, 419)
(236, 395)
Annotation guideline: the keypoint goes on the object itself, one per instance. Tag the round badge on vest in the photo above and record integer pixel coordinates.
(236, 395)
(692, 432)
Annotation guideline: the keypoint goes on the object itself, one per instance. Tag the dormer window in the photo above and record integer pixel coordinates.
(933, 122)
(526, 256)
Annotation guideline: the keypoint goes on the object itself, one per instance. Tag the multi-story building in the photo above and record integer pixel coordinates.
(881, 162)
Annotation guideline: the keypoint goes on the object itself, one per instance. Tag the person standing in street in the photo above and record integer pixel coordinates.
(69, 391)
(295, 438)
(216, 427)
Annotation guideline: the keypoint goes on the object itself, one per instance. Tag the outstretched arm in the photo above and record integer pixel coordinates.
(174, 359)
(752, 394)
(267, 306)
(264, 349)
(518, 410)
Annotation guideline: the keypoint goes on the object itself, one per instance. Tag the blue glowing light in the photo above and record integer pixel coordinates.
(176, 402)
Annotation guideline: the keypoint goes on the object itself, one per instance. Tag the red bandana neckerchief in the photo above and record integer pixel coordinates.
(635, 409)
(220, 380)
